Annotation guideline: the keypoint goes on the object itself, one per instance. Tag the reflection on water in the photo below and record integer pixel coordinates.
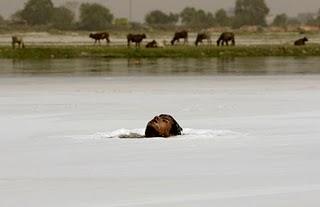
(183, 66)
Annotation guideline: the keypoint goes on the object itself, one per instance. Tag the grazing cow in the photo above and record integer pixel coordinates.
(301, 41)
(136, 38)
(17, 40)
(152, 44)
(100, 36)
(163, 126)
(180, 35)
(225, 37)
(203, 36)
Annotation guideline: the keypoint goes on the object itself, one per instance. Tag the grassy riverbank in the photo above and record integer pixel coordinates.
(45, 52)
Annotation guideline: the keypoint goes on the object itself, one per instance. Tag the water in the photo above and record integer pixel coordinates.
(247, 139)
(139, 134)
(161, 67)
(251, 132)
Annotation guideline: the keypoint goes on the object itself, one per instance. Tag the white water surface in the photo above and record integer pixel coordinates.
(247, 141)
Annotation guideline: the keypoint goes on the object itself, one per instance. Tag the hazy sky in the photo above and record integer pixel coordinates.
(141, 7)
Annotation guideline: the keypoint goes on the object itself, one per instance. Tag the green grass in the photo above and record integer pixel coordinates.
(47, 52)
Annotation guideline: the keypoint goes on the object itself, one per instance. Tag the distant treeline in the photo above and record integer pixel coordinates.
(94, 16)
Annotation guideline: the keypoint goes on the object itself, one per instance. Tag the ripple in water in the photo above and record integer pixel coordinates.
(187, 134)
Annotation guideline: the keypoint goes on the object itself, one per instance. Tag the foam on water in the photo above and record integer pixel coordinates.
(188, 133)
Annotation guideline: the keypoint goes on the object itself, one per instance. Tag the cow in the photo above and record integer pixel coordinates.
(301, 41)
(163, 125)
(136, 38)
(180, 35)
(203, 36)
(152, 44)
(100, 36)
(225, 37)
(17, 40)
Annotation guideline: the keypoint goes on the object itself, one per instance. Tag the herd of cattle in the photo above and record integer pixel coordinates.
(223, 39)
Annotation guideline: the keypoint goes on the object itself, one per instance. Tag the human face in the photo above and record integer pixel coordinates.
(161, 126)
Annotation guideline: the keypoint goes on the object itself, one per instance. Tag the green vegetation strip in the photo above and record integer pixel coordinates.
(46, 52)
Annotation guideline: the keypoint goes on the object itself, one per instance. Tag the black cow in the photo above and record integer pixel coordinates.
(152, 44)
(203, 36)
(180, 35)
(225, 37)
(301, 41)
(100, 36)
(136, 38)
(17, 40)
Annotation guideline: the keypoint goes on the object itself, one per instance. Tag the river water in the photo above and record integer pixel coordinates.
(160, 67)
(251, 132)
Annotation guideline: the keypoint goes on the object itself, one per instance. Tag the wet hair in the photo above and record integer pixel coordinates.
(176, 128)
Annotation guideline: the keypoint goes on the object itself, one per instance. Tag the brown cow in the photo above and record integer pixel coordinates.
(136, 38)
(180, 35)
(203, 36)
(301, 41)
(225, 37)
(17, 40)
(152, 44)
(163, 126)
(100, 36)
